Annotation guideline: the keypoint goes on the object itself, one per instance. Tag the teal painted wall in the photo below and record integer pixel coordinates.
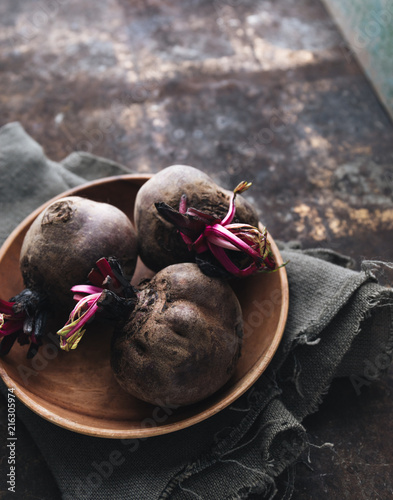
(367, 26)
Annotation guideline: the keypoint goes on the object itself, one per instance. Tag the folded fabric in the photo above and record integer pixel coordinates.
(339, 323)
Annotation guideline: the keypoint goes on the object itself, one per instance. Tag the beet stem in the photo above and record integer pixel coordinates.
(202, 232)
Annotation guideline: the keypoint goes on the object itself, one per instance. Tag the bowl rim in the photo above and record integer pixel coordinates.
(238, 389)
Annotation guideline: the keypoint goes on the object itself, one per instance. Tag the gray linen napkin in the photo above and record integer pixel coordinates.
(339, 324)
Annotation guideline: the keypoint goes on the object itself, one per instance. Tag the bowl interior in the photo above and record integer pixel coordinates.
(77, 390)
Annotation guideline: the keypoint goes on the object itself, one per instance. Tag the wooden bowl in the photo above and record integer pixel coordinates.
(77, 390)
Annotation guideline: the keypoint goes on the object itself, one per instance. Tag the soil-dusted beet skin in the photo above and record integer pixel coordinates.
(65, 241)
(182, 341)
(161, 244)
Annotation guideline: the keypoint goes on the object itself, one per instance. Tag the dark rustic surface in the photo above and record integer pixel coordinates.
(265, 91)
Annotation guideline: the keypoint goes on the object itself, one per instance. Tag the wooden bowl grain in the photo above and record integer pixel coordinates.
(77, 390)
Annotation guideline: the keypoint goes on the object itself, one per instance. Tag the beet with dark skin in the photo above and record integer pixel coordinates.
(162, 244)
(59, 250)
(182, 341)
(65, 241)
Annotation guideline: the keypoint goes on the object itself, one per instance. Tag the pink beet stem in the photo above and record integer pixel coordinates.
(83, 319)
(200, 244)
(231, 212)
(96, 277)
(10, 327)
(106, 270)
(183, 204)
(220, 242)
(223, 258)
(89, 289)
(223, 233)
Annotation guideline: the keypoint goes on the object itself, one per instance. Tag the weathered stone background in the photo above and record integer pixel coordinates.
(266, 91)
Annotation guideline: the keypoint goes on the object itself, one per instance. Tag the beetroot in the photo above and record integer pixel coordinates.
(162, 244)
(59, 250)
(65, 241)
(182, 341)
(228, 248)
